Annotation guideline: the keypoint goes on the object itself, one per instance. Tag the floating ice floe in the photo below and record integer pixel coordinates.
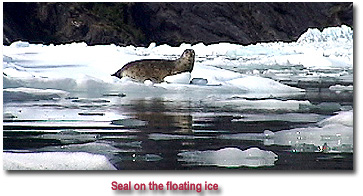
(101, 148)
(334, 135)
(55, 161)
(31, 94)
(267, 104)
(340, 88)
(69, 137)
(162, 136)
(287, 117)
(343, 118)
(230, 157)
(129, 122)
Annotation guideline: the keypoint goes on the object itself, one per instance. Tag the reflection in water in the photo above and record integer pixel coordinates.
(160, 116)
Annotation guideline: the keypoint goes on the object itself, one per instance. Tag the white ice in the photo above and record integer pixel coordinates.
(343, 118)
(78, 67)
(340, 88)
(230, 157)
(268, 104)
(24, 94)
(55, 161)
(336, 133)
(162, 136)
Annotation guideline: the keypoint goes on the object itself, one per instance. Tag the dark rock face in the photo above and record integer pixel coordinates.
(171, 23)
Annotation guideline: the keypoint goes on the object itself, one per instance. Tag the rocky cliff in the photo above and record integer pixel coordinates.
(171, 23)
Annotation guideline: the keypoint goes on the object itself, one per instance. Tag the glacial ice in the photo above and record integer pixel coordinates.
(230, 157)
(328, 34)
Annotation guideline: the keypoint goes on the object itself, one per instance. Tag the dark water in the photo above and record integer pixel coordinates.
(153, 131)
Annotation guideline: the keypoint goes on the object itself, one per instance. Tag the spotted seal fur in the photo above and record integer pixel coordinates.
(157, 69)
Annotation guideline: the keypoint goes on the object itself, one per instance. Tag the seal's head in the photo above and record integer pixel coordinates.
(186, 61)
(188, 53)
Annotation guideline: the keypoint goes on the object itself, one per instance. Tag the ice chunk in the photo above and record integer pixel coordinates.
(213, 75)
(20, 44)
(142, 157)
(267, 104)
(230, 157)
(161, 136)
(343, 118)
(287, 117)
(232, 80)
(40, 83)
(31, 94)
(343, 33)
(340, 88)
(55, 161)
(311, 35)
(68, 137)
(102, 148)
(335, 135)
(129, 122)
(148, 83)
(182, 78)
(328, 34)
(260, 84)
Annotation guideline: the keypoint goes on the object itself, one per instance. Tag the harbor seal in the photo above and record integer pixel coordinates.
(157, 69)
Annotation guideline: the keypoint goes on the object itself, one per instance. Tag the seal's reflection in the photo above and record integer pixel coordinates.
(163, 115)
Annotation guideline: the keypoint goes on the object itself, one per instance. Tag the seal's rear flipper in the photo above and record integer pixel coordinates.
(116, 75)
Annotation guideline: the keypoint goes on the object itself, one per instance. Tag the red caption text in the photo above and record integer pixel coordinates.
(169, 185)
